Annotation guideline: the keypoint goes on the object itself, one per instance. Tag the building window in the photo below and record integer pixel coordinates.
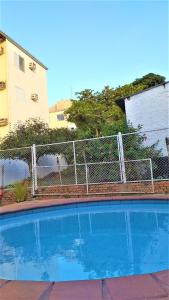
(19, 62)
(20, 94)
(60, 117)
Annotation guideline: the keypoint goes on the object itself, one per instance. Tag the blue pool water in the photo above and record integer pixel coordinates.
(85, 241)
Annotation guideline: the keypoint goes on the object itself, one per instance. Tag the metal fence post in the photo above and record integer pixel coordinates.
(74, 157)
(2, 173)
(33, 176)
(118, 144)
(121, 156)
(87, 181)
(34, 169)
(151, 171)
(58, 164)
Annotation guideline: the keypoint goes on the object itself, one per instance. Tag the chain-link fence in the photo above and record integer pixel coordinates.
(137, 157)
(149, 144)
(99, 173)
(15, 165)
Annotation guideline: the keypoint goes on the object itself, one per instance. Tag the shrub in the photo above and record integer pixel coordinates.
(20, 191)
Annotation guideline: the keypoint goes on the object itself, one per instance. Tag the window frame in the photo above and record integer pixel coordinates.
(19, 62)
(20, 94)
(60, 115)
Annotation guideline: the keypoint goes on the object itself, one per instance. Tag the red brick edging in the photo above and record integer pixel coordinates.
(143, 287)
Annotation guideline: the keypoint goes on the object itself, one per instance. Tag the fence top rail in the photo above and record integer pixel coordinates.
(53, 144)
(93, 163)
(15, 149)
(102, 137)
(75, 141)
(116, 161)
(85, 140)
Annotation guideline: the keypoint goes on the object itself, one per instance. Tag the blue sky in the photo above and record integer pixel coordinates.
(90, 44)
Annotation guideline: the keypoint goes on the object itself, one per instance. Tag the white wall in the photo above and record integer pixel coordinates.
(151, 110)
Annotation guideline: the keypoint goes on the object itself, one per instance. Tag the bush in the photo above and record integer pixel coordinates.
(20, 191)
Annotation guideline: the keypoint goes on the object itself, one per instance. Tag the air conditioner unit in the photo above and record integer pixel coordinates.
(1, 50)
(3, 122)
(32, 66)
(2, 85)
(34, 97)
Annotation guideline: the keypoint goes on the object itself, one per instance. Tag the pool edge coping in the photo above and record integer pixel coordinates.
(35, 204)
(151, 286)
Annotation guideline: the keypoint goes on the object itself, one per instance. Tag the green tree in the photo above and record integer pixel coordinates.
(35, 131)
(149, 80)
(93, 111)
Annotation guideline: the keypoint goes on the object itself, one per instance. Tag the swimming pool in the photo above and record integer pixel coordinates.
(85, 241)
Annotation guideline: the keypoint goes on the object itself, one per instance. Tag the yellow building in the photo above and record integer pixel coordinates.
(57, 119)
(23, 86)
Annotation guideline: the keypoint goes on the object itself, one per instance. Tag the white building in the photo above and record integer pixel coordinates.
(149, 108)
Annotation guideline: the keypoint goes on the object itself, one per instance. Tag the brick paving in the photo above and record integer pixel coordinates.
(141, 287)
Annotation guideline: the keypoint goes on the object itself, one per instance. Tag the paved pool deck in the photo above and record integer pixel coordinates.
(138, 287)
(152, 286)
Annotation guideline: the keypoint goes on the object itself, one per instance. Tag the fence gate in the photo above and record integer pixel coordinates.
(91, 166)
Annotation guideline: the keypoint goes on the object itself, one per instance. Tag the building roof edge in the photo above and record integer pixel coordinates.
(22, 49)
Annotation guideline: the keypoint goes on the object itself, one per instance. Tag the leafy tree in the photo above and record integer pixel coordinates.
(127, 90)
(93, 111)
(149, 80)
(34, 131)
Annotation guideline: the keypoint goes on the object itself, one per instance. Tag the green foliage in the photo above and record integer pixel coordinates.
(107, 149)
(92, 112)
(149, 80)
(20, 191)
(33, 131)
(166, 190)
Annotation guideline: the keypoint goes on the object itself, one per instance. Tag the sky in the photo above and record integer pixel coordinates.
(90, 44)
